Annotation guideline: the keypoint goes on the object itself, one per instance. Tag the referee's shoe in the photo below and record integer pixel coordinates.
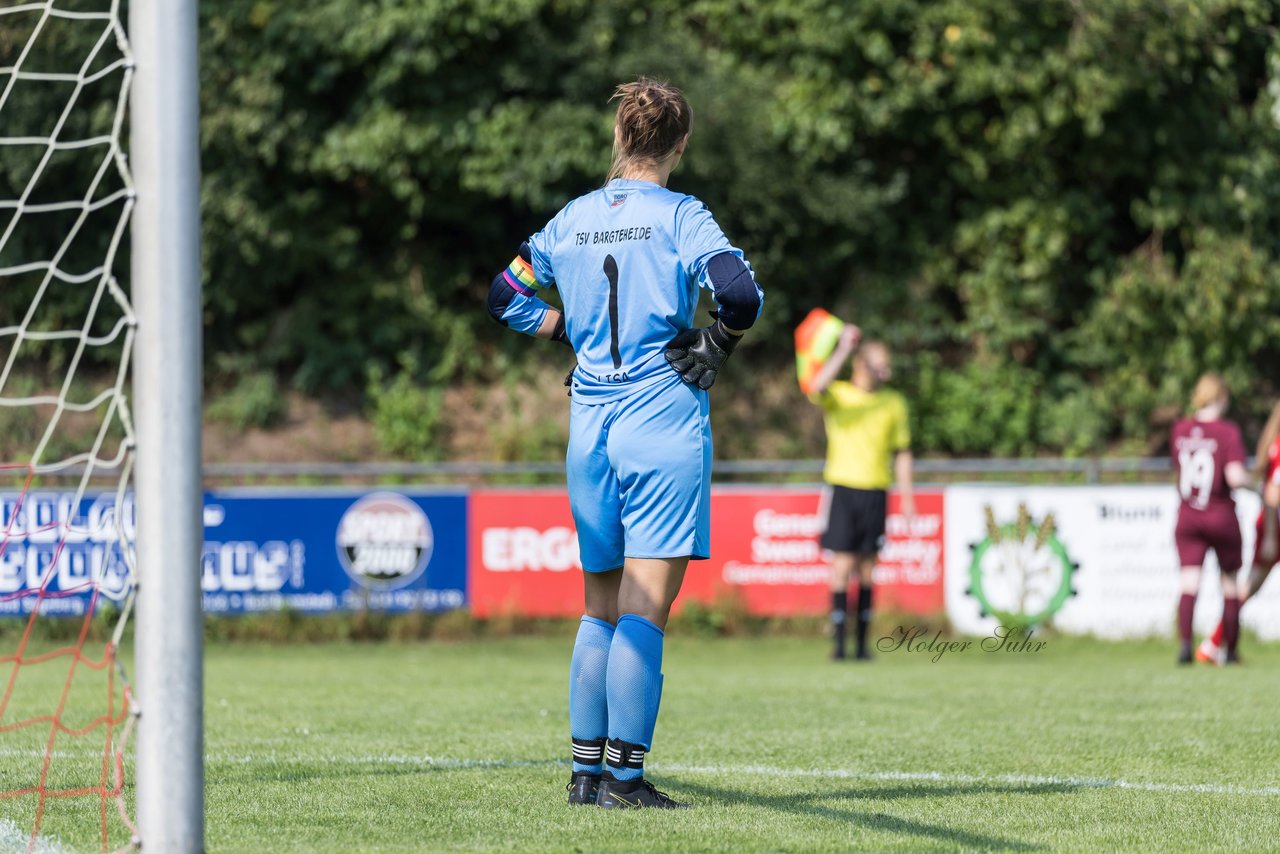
(634, 794)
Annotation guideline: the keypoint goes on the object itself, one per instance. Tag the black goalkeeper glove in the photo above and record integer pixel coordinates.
(697, 354)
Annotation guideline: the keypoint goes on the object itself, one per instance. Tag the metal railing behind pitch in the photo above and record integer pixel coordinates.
(475, 472)
(1041, 470)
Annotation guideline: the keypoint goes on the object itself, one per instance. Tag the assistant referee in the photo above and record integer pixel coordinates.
(866, 425)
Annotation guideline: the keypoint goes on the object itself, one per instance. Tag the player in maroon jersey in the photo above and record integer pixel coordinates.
(1208, 456)
(1267, 535)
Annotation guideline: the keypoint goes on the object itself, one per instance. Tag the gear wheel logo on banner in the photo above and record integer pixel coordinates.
(1021, 573)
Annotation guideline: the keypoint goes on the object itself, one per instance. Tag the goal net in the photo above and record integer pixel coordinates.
(66, 437)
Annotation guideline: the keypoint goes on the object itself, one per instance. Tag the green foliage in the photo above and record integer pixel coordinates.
(37, 174)
(1072, 201)
(406, 413)
(1074, 418)
(256, 400)
(518, 440)
(977, 409)
(58, 433)
(993, 183)
(725, 616)
(1158, 328)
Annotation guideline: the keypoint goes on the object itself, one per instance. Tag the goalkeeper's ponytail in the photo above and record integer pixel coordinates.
(652, 119)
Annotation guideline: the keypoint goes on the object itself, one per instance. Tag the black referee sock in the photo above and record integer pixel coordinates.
(864, 617)
(839, 605)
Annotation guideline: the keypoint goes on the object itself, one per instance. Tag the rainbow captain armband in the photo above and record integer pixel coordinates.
(816, 339)
(519, 274)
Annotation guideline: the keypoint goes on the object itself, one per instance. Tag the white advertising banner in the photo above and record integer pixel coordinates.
(1090, 560)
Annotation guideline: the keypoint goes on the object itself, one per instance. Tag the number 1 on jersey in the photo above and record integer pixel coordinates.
(611, 273)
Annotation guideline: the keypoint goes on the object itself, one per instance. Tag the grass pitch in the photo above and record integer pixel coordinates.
(1082, 746)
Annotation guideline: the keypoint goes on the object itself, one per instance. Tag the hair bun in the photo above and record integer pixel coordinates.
(652, 118)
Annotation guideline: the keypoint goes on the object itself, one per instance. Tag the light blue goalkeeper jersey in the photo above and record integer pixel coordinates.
(628, 260)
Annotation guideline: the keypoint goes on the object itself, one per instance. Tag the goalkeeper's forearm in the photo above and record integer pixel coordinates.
(698, 354)
(552, 327)
(516, 307)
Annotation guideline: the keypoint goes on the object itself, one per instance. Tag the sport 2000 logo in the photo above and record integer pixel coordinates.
(384, 541)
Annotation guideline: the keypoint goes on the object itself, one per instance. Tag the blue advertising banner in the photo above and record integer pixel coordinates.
(58, 552)
(309, 551)
(315, 552)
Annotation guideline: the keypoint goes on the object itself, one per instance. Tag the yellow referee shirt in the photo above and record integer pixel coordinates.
(864, 429)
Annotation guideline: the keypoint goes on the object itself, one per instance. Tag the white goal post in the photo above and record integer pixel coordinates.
(69, 74)
(167, 387)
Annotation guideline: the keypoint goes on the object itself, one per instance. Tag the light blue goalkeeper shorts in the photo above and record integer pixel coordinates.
(639, 473)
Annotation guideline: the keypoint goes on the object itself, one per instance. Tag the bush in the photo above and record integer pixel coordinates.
(1074, 419)
(407, 416)
(256, 400)
(977, 409)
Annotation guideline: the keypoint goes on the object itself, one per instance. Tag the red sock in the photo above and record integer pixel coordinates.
(1216, 637)
(1231, 622)
(1186, 608)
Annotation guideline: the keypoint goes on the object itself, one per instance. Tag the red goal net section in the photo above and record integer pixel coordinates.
(66, 437)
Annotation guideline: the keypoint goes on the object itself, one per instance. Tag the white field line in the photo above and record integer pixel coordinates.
(447, 764)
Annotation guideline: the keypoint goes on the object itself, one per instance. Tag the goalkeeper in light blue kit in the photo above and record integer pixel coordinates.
(628, 260)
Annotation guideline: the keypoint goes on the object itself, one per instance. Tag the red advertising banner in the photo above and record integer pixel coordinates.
(764, 550)
(764, 546)
(908, 577)
(523, 554)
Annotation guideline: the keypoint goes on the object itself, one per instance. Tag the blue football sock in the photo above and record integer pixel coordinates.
(635, 688)
(588, 699)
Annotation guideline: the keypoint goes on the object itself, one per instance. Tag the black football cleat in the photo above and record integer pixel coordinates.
(583, 786)
(634, 794)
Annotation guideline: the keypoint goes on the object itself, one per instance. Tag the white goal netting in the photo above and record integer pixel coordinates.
(66, 438)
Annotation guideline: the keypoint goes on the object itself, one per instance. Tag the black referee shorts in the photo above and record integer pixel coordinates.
(855, 520)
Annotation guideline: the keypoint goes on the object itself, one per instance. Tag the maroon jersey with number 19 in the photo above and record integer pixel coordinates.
(1207, 515)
